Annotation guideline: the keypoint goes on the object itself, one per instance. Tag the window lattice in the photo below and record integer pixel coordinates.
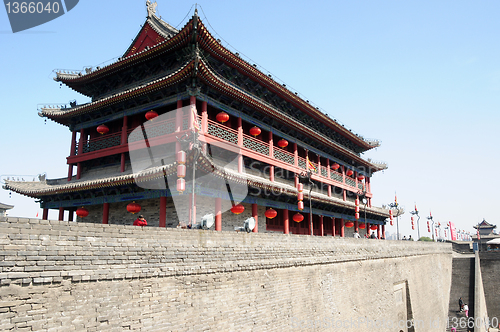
(101, 144)
(221, 133)
(256, 146)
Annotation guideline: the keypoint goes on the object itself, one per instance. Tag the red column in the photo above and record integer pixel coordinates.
(329, 191)
(295, 155)
(333, 226)
(61, 214)
(271, 155)
(341, 227)
(286, 222)
(192, 101)
(45, 214)
(255, 214)
(72, 153)
(321, 230)
(105, 213)
(378, 232)
(356, 225)
(80, 151)
(123, 141)
(178, 123)
(368, 228)
(163, 212)
(383, 231)
(328, 168)
(218, 214)
(204, 117)
(344, 193)
(240, 144)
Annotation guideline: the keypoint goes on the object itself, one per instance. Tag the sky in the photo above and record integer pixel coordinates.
(423, 77)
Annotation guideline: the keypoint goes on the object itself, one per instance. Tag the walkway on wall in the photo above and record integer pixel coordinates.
(462, 285)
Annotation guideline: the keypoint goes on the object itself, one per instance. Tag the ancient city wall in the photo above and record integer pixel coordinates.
(64, 276)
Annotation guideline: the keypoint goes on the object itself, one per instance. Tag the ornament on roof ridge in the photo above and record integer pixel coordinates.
(151, 8)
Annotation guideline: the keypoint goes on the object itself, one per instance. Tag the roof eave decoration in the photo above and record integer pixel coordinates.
(63, 115)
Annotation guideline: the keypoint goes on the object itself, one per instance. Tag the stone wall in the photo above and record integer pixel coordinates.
(490, 270)
(68, 276)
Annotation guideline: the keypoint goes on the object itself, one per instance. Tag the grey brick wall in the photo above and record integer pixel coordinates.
(67, 276)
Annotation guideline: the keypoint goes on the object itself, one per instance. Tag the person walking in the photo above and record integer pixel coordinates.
(140, 221)
(460, 304)
(466, 309)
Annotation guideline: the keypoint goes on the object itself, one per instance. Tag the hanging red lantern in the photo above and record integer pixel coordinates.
(181, 185)
(282, 143)
(356, 209)
(300, 196)
(361, 177)
(412, 226)
(82, 212)
(356, 202)
(300, 205)
(349, 172)
(102, 129)
(349, 224)
(222, 117)
(181, 170)
(237, 209)
(133, 207)
(362, 225)
(335, 166)
(298, 217)
(271, 213)
(181, 157)
(150, 115)
(373, 227)
(356, 215)
(300, 187)
(428, 229)
(255, 131)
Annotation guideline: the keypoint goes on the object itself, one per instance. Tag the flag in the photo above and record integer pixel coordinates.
(310, 165)
(478, 236)
(37, 215)
(395, 198)
(416, 208)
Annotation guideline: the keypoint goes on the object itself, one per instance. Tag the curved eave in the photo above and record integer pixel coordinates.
(41, 189)
(218, 83)
(216, 49)
(63, 116)
(77, 81)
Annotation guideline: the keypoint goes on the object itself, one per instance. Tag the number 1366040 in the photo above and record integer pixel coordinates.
(32, 7)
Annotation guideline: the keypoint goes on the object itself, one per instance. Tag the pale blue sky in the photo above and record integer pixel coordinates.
(421, 76)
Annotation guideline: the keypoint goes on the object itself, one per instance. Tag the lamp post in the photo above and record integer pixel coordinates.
(415, 213)
(431, 219)
(396, 206)
(192, 139)
(307, 176)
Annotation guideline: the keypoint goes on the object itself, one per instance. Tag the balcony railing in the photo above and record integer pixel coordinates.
(156, 129)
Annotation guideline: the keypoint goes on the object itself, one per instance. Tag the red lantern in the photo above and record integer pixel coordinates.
(356, 215)
(222, 117)
(255, 131)
(181, 170)
(356, 202)
(102, 129)
(373, 227)
(237, 209)
(82, 212)
(300, 196)
(335, 166)
(349, 172)
(300, 205)
(181, 157)
(428, 229)
(282, 143)
(300, 187)
(356, 209)
(150, 115)
(298, 217)
(412, 226)
(133, 207)
(181, 185)
(349, 224)
(361, 177)
(362, 225)
(271, 213)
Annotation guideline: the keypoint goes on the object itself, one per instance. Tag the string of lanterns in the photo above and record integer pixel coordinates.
(181, 171)
(356, 209)
(300, 196)
(391, 218)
